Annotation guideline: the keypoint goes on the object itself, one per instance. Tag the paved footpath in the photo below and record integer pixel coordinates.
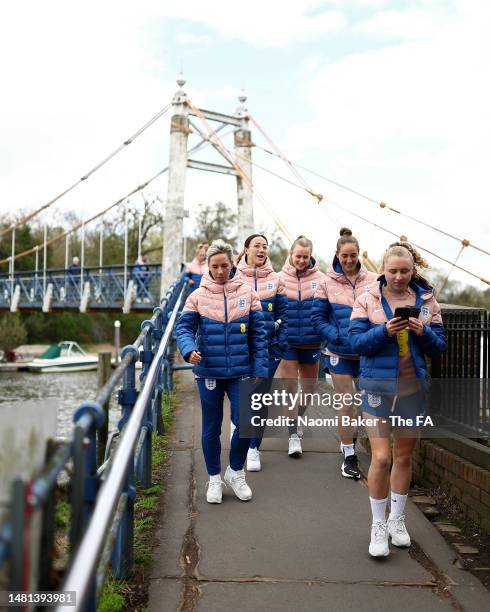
(301, 544)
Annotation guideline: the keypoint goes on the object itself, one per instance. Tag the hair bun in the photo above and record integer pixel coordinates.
(345, 231)
(300, 237)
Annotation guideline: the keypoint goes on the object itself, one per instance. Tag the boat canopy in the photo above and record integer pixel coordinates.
(62, 349)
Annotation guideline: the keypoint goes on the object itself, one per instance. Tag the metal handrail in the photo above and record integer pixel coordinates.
(84, 564)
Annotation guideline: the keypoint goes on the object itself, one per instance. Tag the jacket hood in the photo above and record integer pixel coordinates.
(231, 284)
(423, 289)
(248, 270)
(288, 268)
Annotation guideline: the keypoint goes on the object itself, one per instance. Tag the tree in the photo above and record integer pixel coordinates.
(12, 332)
(214, 222)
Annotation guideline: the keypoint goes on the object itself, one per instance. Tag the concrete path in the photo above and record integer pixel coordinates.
(300, 544)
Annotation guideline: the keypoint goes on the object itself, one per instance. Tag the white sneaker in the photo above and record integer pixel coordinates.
(295, 449)
(214, 494)
(237, 482)
(398, 531)
(378, 547)
(232, 429)
(253, 460)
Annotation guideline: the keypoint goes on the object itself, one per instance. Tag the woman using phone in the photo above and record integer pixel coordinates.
(221, 331)
(301, 278)
(255, 268)
(393, 381)
(346, 279)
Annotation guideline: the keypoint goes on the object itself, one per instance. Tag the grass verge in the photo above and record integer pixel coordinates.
(119, 596)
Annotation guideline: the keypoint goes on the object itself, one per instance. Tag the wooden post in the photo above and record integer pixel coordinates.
(103, 375)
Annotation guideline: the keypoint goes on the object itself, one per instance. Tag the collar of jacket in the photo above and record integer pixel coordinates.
(335, 271)
(231, 284)
(288, 268)
(423, 290)
(265, 269)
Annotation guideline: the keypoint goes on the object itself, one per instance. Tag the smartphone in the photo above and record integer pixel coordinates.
(405, 312)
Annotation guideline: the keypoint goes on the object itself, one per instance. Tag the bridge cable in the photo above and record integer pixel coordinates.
(126, 143)
(214, 139)
(404, 238)
(382, 205)
(103, 212)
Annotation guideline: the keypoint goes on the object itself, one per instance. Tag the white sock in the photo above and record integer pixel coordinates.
(347, 449)
(397, 505)
(378, 508)
(215, 478)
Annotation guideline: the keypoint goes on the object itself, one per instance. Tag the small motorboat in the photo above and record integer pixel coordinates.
(63, 357)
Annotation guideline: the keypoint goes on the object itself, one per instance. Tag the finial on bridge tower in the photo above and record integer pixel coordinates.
(242, 98)
(181, 81)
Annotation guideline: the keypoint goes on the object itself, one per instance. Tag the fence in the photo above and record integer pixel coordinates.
(460, 375)
(102, 496)
(99, 287)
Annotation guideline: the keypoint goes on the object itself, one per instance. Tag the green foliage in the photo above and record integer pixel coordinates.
(12, 332)
(89, 328)
(62, 514)
(112, 598)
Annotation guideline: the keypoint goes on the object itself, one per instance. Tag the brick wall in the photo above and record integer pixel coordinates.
(468, 483)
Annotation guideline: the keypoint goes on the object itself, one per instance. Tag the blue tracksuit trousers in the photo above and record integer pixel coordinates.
(264, 388)
(212, 393)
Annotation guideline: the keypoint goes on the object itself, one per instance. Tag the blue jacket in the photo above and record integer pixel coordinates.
(272, 295)
(225, 323)
(379, 353)
(333, 303)
(300, 291)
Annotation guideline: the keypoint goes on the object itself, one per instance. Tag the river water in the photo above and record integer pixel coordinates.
(67, 389)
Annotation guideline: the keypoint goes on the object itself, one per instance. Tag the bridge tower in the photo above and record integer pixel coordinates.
(179, 161)
(174, 213)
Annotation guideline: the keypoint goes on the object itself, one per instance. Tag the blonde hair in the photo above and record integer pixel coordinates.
(405, 249)
(302, 241)
(219, 247)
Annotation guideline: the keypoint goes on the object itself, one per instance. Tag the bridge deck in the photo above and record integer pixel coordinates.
(301, 543)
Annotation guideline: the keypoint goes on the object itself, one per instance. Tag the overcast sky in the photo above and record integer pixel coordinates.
(389, 97)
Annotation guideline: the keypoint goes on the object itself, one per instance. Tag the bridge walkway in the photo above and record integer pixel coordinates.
(301, 543)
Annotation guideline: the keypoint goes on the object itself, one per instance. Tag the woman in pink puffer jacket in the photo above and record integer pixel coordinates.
(346, 279)
(301, 277)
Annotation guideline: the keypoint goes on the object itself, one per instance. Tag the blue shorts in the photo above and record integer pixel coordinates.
(385, 406)
(338, 365)
(302, 355)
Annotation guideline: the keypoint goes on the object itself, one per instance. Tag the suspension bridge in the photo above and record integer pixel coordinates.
(123, 286)
(295, 545)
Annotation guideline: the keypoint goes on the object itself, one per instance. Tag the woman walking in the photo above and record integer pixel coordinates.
(346, 279)
(197, 267)
(394, 326)
(301, 277)
(255, 268)
(222, 333)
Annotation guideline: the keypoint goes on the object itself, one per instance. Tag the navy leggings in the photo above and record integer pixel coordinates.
(212, 393)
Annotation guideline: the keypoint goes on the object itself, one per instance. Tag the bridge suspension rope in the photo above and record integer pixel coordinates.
(382, 205)
(87, 175)
(453, 264)
(219, 146)
(77, 226)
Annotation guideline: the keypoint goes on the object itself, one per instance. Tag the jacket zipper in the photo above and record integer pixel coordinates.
(226, 328)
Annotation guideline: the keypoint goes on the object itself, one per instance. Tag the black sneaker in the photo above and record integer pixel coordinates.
(350, 468)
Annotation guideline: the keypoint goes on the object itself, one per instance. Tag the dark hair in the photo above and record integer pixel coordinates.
(346, 237)
(247, 242)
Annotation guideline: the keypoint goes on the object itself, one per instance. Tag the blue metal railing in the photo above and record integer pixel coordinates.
(102, 496)
(108, 287)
